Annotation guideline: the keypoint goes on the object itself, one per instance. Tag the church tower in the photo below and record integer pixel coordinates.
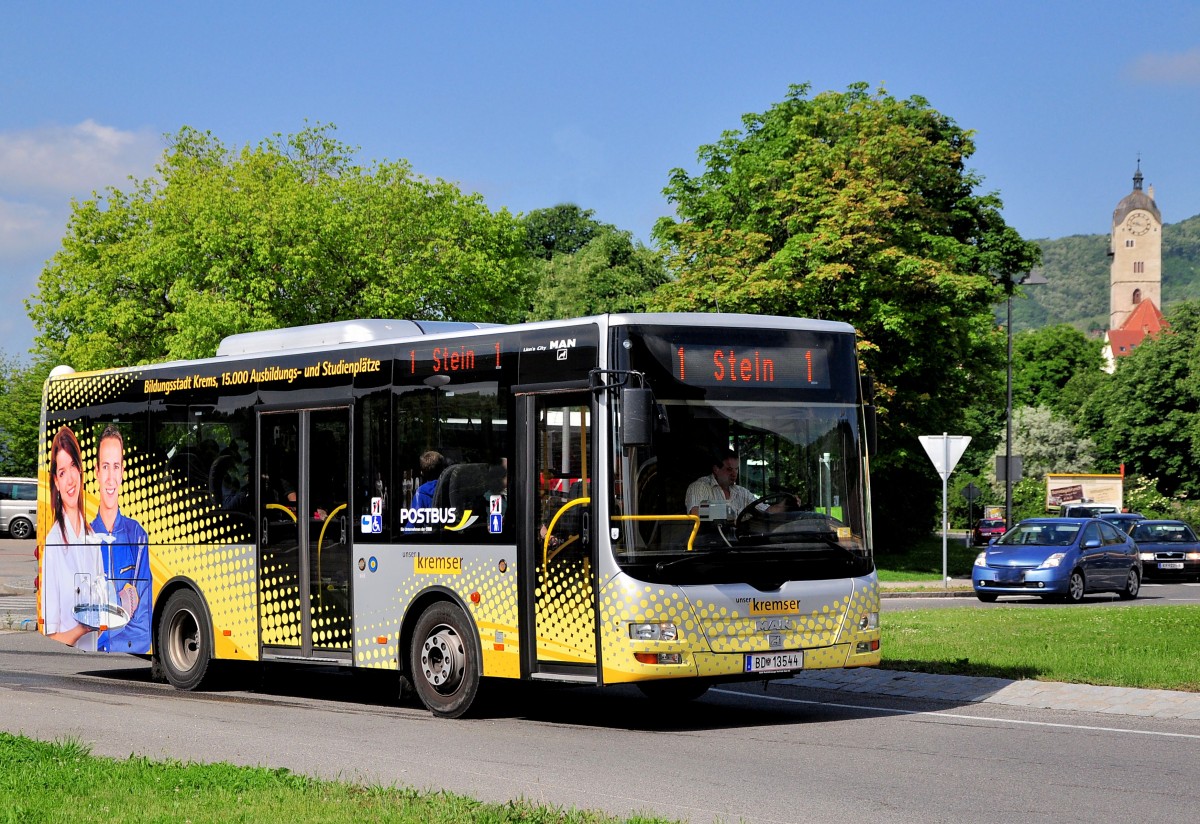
(1136, 250)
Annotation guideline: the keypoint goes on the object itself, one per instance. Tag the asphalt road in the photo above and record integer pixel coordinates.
(795, 751)
(1151, 594)
(784, 754)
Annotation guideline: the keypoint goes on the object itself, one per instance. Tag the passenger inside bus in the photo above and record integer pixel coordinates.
(432, 464)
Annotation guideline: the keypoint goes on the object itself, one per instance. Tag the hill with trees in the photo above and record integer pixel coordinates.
(1077, 273)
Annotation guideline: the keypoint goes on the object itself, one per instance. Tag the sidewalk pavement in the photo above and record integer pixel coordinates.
(18, 611)
(982, 690)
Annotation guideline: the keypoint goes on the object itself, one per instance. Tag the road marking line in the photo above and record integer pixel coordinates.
(956, 716)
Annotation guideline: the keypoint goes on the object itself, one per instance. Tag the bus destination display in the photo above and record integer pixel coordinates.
(781, 367)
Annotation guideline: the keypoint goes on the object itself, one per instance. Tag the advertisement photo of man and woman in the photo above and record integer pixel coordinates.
(96, 581)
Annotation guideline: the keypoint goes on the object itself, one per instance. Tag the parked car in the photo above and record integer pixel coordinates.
(18, 506)
(1062, 558)
(1169, 549)
(986, 529)
(1124, 521)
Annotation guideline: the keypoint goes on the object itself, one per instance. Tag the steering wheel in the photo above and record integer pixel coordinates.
(757, 508)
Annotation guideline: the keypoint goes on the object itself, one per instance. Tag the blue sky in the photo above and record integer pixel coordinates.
(537, 103)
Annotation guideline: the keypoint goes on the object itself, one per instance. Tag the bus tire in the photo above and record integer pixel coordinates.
(444, 661)
(183, 645)
(673, 691)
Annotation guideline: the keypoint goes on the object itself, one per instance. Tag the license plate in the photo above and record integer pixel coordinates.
(1171, 565)
(774, 661)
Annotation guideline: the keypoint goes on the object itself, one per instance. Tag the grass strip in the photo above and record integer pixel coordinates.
(63, 782)
(922, 560)
(1149, 647)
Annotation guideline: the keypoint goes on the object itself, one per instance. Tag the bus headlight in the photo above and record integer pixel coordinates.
(869, 620)
(653, 632)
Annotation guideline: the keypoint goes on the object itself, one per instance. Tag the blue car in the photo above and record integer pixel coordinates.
(1060, 558)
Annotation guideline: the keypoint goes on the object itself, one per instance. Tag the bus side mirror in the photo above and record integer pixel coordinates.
(872, 438)
(636, 421)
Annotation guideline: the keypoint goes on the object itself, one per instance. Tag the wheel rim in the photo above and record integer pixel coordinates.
(1132, 586)
(443, 659)
(1076, 587)
(20, 529)
(183, 641)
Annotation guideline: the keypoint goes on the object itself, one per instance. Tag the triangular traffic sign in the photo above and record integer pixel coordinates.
(944, 451)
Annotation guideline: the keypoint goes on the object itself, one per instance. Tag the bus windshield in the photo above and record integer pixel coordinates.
(762, 481)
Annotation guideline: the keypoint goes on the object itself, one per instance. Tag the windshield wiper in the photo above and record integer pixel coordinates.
(707, 553)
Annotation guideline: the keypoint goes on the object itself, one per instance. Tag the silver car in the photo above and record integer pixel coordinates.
(18, 506)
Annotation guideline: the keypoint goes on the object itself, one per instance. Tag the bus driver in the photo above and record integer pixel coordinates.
(721, 491)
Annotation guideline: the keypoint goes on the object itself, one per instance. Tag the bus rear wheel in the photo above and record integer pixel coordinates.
(183, 646)
(444, 661)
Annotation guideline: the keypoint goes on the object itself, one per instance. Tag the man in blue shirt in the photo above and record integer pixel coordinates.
(125, 551)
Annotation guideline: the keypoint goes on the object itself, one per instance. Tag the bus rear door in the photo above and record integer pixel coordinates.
(304, 534)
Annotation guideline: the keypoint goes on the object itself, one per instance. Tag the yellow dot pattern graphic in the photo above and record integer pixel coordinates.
(191, 538)
(280, 609)
(494, 613)
(87, 389)
(566, 616)
(715, 634)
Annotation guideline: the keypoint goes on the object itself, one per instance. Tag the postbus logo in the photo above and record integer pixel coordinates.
(425, 519)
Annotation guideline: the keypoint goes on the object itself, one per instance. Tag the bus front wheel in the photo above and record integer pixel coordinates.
(182, 647)
(444, 661)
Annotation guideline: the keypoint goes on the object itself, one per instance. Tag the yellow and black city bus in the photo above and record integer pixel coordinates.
(454, 501)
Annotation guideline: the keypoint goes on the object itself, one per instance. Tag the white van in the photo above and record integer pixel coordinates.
(1085, 510)
(18, 506)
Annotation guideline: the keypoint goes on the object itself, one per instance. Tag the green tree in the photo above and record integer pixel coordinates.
(1029, 499)
(1045, 361)
(1047, 443)
(1147, 416)
(611, 273)
(858, 207)
(561, 230)
(285, 233)
(20, 410)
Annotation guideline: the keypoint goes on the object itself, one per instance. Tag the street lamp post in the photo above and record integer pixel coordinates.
(1032, 278)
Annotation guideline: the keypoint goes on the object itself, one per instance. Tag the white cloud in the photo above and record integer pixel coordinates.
(41, 170)
(54, 161)
(1180, 69)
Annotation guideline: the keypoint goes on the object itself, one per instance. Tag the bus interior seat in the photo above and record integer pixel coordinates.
(462, 486)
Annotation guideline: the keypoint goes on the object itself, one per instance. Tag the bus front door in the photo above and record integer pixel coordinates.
(304, 534)
(557, 542)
